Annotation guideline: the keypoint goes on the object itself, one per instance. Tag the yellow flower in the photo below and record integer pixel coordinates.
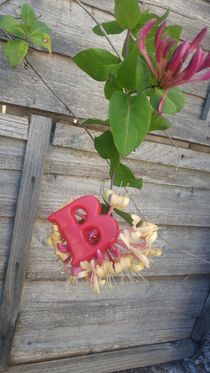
(116, 200)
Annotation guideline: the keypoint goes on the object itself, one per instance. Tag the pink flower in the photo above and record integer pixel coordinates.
(170, 74)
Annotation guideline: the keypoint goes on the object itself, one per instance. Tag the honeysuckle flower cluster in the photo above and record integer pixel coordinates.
(170, 74)
(129, 254)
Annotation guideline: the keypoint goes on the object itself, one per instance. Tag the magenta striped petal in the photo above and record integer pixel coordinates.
(168, 48)
(160, 106)
(159, 34)
(159, 60)
(197, 40)
(144, 32)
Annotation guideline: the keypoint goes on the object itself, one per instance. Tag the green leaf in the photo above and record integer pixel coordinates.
(143, 75)
(39, 27)
(25, 28)
(159, 123)
(130, 120)
(126, 76)
(111, 28)
(111, 86)
(97, 63)
(127, 13)
(15, 51)
(9, 24)
(131, 44)
(174, 101)
(94, 121)
(42, 39)
(124, 177)
(106, 148)
(127, 217)
(28, 15)
(161, 19)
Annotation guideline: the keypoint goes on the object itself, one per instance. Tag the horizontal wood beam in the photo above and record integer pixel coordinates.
(114, 360)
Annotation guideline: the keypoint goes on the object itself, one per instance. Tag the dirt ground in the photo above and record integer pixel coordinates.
(197, 364)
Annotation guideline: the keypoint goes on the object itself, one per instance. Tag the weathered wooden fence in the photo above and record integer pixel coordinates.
(45, 159)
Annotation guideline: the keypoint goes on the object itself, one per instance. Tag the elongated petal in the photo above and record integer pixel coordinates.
(206, 62)
(159, 60)
(63, 248)
(190, 70)
(177, 56)
(202, 77)
(197, 40)
(141, 43)
(144, 32)
(160, 106)
(159, 34)
(168, 48)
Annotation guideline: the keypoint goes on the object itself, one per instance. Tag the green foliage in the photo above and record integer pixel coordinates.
(143, 75)
(28, 15)
(126, 76)
(36, 31)
(127, 217)
(130, 120)
(124, 177)
(111, 86)
(130, 86)
(15, 51)
(9, 24)
(159, 123)
(97, 63)
(173, 103)
(106, 148)
(111, 28)
(127, 13)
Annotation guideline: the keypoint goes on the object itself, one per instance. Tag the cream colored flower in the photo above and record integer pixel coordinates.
(115, 200)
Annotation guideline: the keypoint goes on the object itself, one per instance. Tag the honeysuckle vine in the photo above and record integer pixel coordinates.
(141, 83)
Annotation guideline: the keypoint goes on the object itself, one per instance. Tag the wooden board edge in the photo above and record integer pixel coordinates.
(30, 186)
(113, 360)
(202, 325)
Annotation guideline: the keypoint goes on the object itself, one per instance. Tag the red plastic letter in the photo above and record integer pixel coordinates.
(75, 233)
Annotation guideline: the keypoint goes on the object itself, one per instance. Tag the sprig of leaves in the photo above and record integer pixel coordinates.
(134, 93)
(30, 29)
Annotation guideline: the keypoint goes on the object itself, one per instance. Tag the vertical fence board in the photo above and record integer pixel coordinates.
(33, 168)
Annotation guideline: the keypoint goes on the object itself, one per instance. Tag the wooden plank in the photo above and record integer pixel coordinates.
(162, 204)
(70, 22)
(84, 95)
(154, 312)
(6, 228)
(24, 220)
(13, 126)
(76, 138)
(202, 326)
(11, 154)
(188, 128)
(113, 360)
(43, 264)
(67, 161)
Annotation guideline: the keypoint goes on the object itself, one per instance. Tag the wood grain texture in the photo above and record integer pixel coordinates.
(6, 228)
(43, 264)
(84, 95)
(70, 22)
(162, 204)
(148, 151)
(13, 126)
(202, 326)
(11, 154)
(73, 162)
(55, 323)
(114, 360)
(24, 220)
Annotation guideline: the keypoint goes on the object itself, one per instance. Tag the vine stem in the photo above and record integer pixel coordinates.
(179, 159)
(101, 28)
